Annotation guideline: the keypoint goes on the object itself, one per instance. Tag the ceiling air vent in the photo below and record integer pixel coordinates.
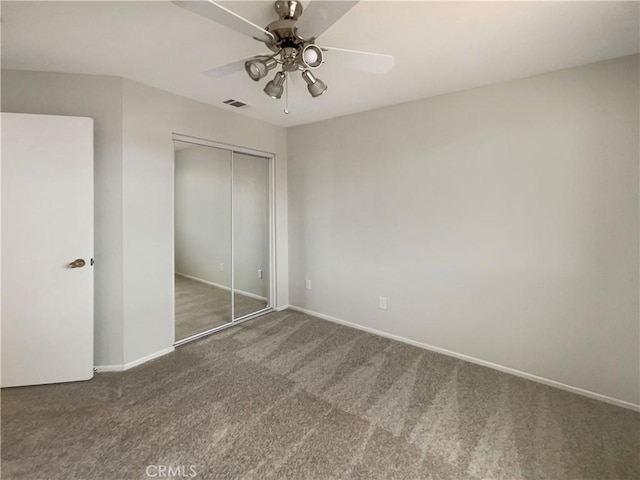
(235, 103)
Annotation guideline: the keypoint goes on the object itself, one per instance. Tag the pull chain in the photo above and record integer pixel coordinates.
(286, 93)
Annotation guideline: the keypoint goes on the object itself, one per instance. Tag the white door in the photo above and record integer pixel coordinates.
(47, 223)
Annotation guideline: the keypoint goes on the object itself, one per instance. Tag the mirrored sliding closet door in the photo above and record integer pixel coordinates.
(222, 236)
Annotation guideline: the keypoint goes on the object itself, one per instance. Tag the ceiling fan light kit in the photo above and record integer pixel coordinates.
(275, 87)
(315, 86)
(291, 51)
(258, 67)
(292, 39)
(312, 56)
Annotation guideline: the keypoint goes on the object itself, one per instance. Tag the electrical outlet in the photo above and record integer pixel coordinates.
(222, 267)
(307, 284)
(382, 303)
(259, 273)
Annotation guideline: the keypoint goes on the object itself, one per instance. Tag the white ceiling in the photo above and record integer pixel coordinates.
(439, 47)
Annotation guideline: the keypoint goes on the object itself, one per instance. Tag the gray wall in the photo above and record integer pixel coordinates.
(134, 194)
(500, 222)
(100, 98)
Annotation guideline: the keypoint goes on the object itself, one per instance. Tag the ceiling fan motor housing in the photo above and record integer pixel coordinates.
(286, 40)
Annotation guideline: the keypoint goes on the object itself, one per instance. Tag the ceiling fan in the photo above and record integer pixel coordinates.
(292, 41)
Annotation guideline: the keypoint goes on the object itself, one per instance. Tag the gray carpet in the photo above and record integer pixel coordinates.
(200, 307)
(288, 396)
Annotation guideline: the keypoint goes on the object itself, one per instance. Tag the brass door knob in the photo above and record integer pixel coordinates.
(78, 263)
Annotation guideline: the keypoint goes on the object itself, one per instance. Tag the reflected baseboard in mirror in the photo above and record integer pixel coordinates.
(200, 306)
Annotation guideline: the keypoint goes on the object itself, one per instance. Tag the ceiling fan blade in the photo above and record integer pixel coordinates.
(320, 15)
(216, 12)
(227, 69)
(363, 61)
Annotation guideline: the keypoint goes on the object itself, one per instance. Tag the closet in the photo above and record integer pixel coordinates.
(223, 217)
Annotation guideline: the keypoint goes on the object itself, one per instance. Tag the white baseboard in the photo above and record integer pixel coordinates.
(283, 307)
(135, 363)
(108, 368)
(224, 287)
(484, 363)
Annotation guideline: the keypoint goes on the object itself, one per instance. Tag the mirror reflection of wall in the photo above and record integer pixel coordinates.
(250, 233)
(222, 237)
(202, 238)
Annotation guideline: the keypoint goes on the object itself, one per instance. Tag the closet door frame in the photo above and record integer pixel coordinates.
(270, 158)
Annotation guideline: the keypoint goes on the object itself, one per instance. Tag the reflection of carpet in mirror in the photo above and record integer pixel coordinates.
(200, 307)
